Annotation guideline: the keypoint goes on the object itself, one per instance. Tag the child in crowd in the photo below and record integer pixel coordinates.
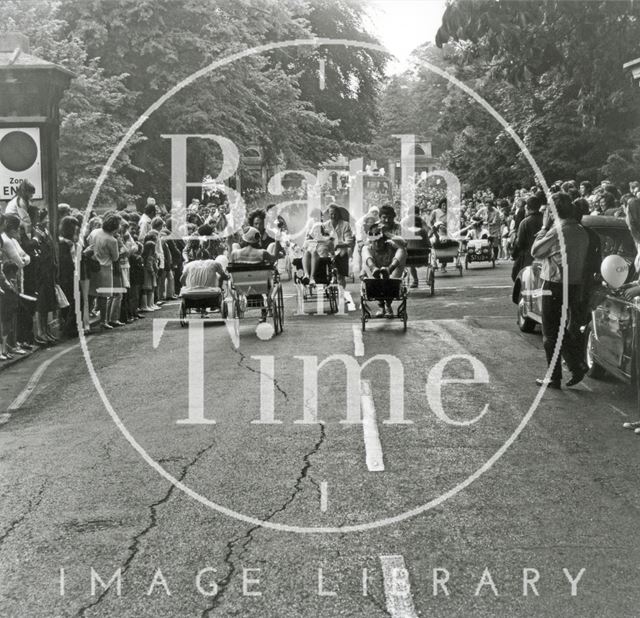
(136, 280)
(150, 265)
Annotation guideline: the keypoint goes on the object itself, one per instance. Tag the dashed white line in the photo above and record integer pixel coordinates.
(358, 344)
(618, 410)
(32, 384)
(397, 589)
(323, 496)
(372, 446)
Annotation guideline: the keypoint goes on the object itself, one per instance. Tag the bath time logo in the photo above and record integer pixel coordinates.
(359, 400)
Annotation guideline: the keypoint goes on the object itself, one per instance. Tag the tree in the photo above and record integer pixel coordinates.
(91, 110)
(258, 100)
(557, 67)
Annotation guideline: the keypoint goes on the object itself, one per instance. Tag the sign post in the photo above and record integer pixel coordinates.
(29, 122)
(20, 159)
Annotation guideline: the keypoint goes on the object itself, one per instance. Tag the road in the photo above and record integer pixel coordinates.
(561, 498)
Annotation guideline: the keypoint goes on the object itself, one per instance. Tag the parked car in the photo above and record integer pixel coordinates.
(615, 238)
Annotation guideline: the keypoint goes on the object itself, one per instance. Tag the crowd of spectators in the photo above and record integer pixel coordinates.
(129, 264)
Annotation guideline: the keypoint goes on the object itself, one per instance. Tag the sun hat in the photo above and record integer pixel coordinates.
(251, 235)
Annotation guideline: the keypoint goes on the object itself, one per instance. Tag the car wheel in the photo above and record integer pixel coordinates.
(595, 370)
(525, 324)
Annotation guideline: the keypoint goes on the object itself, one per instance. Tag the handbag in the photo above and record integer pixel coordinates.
(61, 298)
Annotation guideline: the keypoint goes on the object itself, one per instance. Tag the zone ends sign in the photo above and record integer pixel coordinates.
(20, 160)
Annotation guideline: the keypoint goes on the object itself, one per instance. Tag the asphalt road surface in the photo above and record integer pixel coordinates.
(457, 511)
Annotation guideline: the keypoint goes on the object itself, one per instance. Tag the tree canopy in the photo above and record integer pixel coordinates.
(128, 53)
(553, 69)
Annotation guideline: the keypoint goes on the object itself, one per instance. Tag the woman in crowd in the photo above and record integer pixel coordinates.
(13, 253)
(67, 247)
(105, 252)
(150, 276)
(87, 264)
(45, 277)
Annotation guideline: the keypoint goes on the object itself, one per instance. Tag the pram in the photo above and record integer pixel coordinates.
(201, 300)
(385, 291)
(253, 286)
(446, 252)
(326, 275)
(480, 250)
(418, 255)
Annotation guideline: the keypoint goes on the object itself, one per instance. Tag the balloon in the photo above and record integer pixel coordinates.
(223, 260)
(614, 270)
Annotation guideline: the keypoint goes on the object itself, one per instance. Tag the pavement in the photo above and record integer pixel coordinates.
(479, 504)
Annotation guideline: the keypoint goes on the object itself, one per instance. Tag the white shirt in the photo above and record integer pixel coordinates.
(14, 207)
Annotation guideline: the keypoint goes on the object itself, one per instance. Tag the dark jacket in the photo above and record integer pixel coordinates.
(525, 237)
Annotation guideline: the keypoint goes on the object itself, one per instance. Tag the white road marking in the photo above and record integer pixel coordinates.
(324, 499)
(618, 410)
(27, 391)
(397, 589)
(372, 446)
(358, 344)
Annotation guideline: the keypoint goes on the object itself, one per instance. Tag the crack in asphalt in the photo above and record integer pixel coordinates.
(33, 504)
(247, 537)
(242, 363)
(134, 546)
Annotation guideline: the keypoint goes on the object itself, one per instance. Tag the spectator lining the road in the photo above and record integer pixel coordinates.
(547, 248)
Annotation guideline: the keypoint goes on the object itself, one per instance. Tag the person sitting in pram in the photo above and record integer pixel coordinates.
(478, 231)
(440, 239)
(318, 245)
(249, 252)
(385, 253)
(203, 274)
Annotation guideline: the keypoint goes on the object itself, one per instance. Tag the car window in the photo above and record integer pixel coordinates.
(616, 241)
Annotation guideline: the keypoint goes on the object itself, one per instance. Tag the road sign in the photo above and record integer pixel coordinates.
(20, 154)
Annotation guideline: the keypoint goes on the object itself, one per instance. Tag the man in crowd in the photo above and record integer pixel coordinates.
(150, 211)
(526, 235)
(547, 248)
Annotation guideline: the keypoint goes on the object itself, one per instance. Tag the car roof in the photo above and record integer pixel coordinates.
(602, 221)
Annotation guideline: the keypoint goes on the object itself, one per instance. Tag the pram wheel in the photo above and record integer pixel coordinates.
(277, 310)
(332, 295)
(183, 313)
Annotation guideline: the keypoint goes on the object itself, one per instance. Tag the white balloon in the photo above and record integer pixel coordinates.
(614, 270)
